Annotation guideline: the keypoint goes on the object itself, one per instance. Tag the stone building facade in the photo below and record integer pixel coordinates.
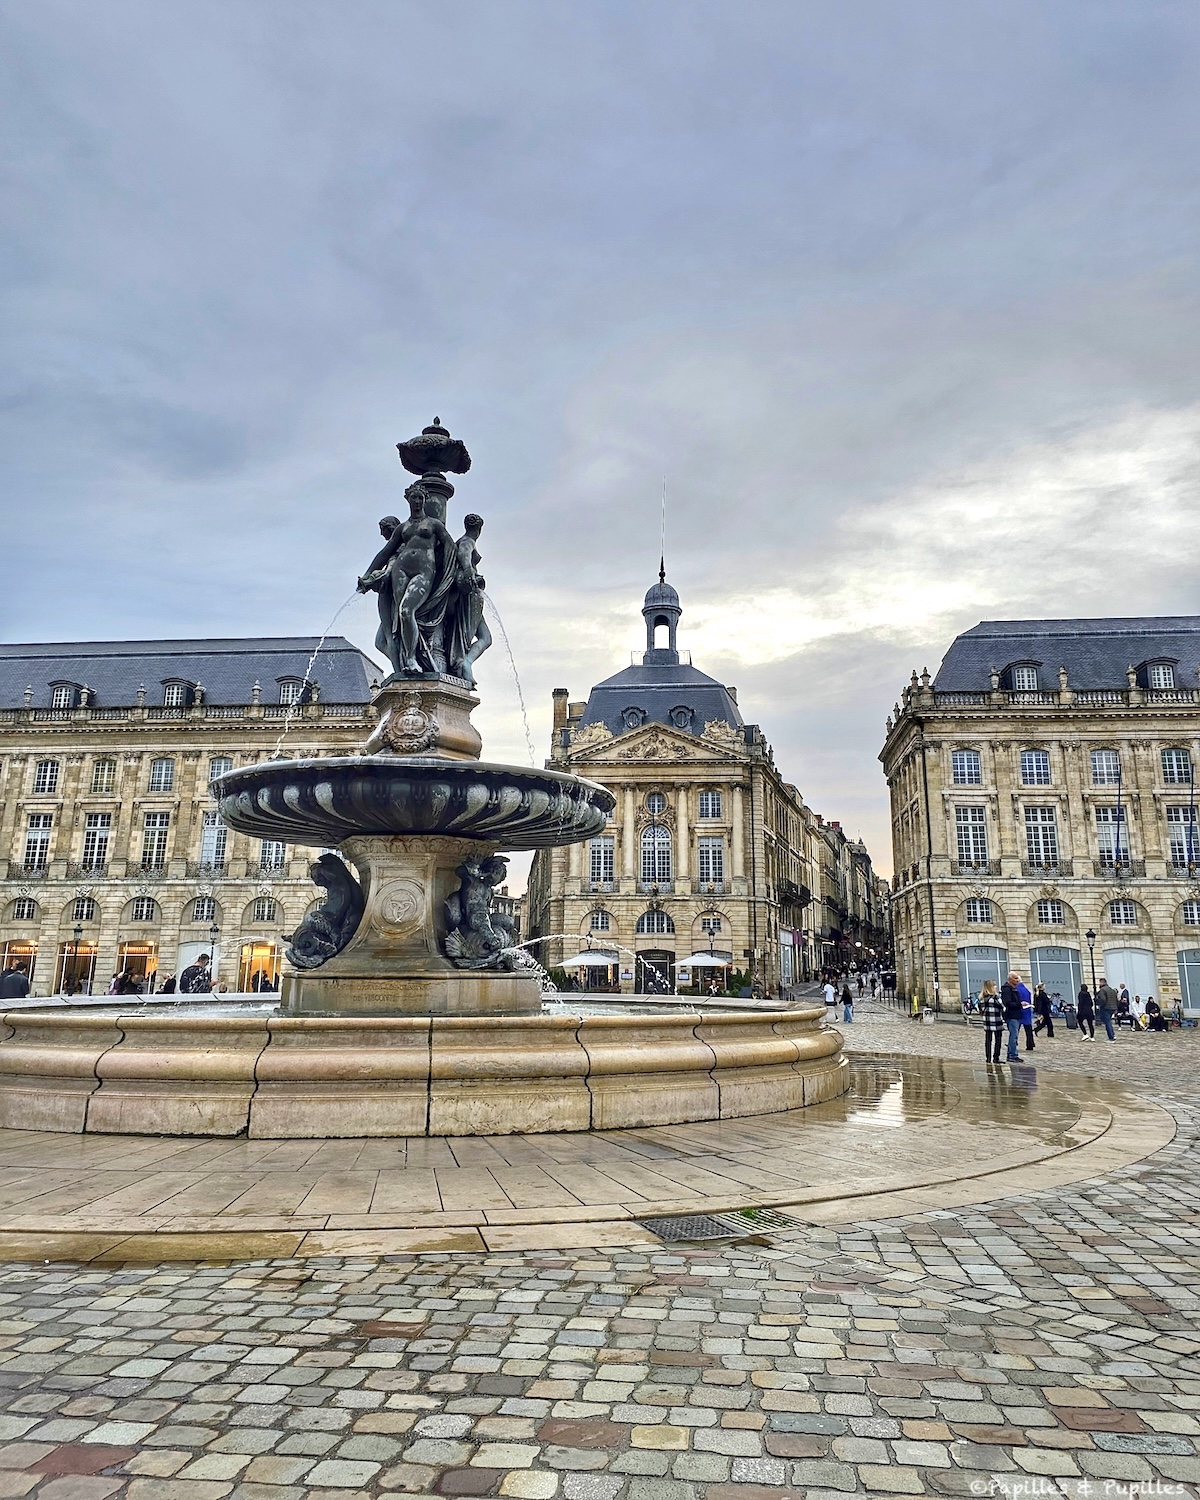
(709, 850)
(1042, 788)
(111, 852)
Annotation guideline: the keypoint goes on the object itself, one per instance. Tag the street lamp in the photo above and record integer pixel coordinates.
(214, 932)
(1091, 942)
(75, 955)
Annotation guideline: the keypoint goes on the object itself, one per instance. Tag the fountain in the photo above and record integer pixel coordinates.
(407, 1007)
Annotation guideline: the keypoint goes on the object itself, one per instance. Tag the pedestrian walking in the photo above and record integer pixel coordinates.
(861, 986)
(1010, 1000)
(992, 1012)
(14, 982)
(1044, 1010)
(830, 992)
(847, 1003)
(1106, 1004)
(1086, 1013)
(1026, 1014)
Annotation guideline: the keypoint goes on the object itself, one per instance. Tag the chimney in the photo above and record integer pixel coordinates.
(560, 696)
(732, 691)
(575, 711)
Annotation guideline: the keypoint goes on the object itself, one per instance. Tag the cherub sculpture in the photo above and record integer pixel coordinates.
(477, 937)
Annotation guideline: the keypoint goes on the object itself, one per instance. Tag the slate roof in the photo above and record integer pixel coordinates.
(227, 669)
(1096, 653)
(656, 689)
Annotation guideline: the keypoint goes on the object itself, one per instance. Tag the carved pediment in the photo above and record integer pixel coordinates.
(593, 734)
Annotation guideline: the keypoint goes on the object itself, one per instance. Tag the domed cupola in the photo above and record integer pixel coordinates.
(662, 607)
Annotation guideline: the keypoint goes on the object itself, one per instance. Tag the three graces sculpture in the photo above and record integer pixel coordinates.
(431, 594)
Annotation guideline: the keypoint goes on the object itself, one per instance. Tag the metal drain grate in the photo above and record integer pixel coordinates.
(731, 1226)
(694, 1227)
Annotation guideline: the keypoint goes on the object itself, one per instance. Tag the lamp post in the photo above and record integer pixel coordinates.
(75, 956)
(1091, 942)
(214, 932)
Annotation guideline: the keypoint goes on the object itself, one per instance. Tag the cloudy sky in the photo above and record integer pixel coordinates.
(901, 300)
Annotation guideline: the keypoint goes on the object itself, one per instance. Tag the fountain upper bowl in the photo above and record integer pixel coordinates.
(324, 800)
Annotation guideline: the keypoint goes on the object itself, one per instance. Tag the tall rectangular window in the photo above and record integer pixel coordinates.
(1177, 766)
(1035, 767)
(213, 834)
(971, 828)
(104, 775)
(162, 775)
(1041, 836)
(710, 804)
(45, 776)
(37, 840)
(1106, 768)
(97, 827)
(273, 855)
(966, 768)
(711, 863)
(602, 860)
(155, 826)
(1112, 836)
(1181, 829)
(1162, 675)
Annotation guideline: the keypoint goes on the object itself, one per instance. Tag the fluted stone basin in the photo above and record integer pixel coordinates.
(327, 800)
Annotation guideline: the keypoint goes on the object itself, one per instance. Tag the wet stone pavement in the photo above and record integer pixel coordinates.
(1046, 1344)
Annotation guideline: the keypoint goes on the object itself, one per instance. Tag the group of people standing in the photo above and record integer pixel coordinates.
(1012, 1009)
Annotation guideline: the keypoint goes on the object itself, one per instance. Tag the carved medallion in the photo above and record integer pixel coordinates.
(400, 905)
(410, 730)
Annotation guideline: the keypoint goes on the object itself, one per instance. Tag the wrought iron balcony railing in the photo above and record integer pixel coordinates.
(1046, 869)
(140, 871)
(1108, 868)
(95, 869)
(972, 867)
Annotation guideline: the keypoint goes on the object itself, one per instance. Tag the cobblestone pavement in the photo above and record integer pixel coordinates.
(1042, 1344)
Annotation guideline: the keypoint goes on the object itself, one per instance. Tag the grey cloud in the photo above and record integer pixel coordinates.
(838, 270)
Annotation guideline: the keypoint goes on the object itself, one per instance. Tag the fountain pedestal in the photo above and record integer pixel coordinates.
(395, 963)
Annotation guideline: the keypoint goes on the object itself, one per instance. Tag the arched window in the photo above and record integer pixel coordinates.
(656, 855)
(290, 689)
(655, 921)
(1122, 913)
(204, 909)
(600, 921)
(264, 909)
(84, 909)
(145, 909)
(1191, 913)
(25, 909)
(711, 925)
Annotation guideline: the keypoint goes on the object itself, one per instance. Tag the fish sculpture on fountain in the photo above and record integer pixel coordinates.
(416, 813)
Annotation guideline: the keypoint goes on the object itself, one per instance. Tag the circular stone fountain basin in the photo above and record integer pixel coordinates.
(327, 800)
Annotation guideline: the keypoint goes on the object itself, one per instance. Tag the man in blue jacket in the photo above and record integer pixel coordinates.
(1014, 1011)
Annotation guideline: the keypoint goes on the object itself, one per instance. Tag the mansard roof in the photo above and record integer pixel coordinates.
(227, 669)
(1096, 653)
(657, 690)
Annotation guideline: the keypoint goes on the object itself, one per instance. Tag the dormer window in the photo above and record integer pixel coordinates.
(633, 718)
(1162, 675)
(681, 716)
(1024, 680)
(63, 696)
(291, 690)
(175, 695)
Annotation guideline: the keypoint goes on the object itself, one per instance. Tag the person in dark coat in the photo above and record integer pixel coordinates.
(1155, 1020)
(1014, 1011)
(1086, 1014)
(1106, 1004)
(1043, 1010)
(14, 983)
(167, 987)
(195, 979)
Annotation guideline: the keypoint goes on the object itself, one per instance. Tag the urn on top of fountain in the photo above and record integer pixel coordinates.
(431, 610)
